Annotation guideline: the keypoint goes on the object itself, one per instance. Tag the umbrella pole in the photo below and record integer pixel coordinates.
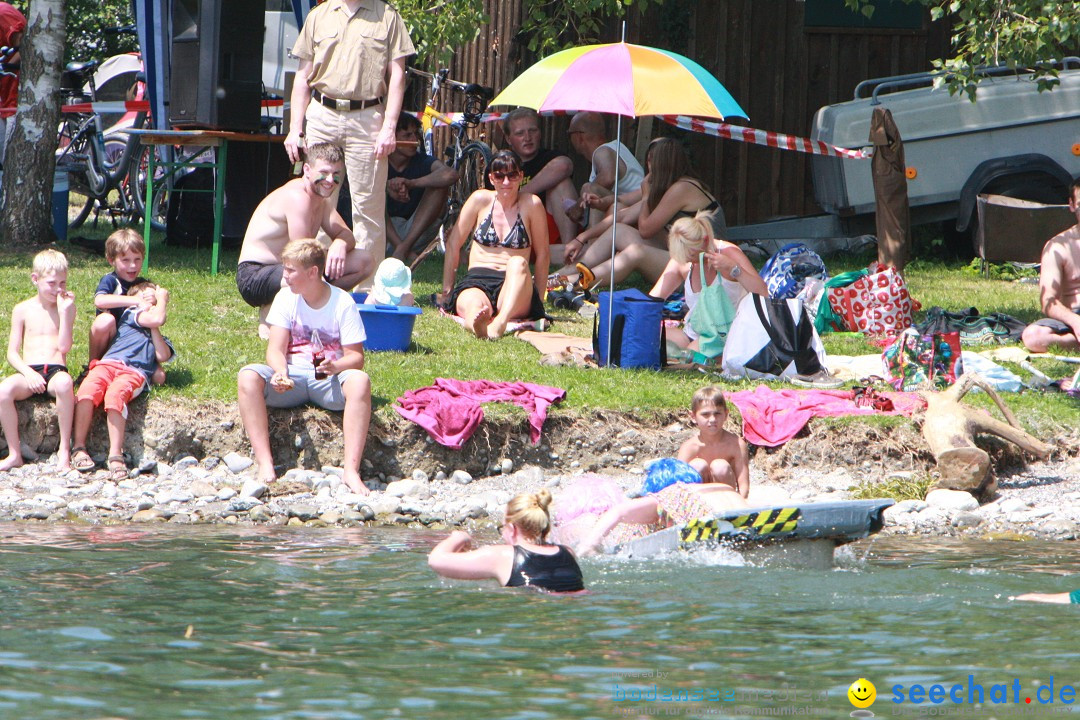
(614, 222)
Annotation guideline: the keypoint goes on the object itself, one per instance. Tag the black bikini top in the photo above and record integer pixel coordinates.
(711, 207)
(516, 239)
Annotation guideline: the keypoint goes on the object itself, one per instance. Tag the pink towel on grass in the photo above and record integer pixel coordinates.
(772, 417)
(450, 409)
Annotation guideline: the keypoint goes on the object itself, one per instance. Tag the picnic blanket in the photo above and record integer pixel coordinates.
(772, 417)
(450, 409)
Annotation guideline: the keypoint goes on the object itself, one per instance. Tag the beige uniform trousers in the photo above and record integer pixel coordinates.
(355, 132)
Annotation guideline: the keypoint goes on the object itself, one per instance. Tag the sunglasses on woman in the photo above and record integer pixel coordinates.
(500, 176)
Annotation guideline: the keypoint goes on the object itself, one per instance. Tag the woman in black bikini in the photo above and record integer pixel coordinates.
(526, 558)
(671, 190)
(506, 228)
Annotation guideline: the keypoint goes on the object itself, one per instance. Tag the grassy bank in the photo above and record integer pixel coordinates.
(214, 333)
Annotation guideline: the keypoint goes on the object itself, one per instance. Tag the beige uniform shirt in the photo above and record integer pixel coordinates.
(350, 53)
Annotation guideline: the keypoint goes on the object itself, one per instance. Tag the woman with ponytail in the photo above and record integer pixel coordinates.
(526, 558)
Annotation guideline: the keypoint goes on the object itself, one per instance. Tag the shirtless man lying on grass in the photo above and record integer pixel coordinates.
(299, 209)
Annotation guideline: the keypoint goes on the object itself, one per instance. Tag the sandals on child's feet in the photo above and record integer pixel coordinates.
(81, 460)
(118, 469)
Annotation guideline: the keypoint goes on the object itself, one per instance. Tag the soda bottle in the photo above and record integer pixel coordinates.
(317, 354)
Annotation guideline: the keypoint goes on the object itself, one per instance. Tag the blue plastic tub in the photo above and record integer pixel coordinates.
(388, 327)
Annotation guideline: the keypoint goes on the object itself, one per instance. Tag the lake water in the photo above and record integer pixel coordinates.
(126, 622)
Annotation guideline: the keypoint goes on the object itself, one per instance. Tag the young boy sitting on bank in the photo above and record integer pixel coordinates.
(121, 374)
(315, 354)
(718, 455)
(125, 251)
(40, 338)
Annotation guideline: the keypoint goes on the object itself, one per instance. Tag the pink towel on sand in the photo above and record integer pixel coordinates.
(450, 409)
(772, 417)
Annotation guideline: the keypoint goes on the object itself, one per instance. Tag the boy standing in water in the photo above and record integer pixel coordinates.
(40, 339)
(718, 455)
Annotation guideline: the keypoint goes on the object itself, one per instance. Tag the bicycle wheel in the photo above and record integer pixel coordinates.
(137, 185)
(472, 168)
(80, 194)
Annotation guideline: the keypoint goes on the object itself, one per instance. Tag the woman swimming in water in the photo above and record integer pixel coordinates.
(526, 558)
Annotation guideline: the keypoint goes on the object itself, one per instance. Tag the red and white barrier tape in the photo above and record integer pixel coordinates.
(721, 130)
(762, 137)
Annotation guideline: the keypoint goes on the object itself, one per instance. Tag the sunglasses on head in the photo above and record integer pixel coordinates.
(500, 176)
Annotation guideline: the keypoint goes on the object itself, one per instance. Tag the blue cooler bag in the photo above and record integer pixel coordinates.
(636, 339)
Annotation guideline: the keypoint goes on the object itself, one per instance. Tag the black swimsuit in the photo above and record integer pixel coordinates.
(555, 573)
(516, 239)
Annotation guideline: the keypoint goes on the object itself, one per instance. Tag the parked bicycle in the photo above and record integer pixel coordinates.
(98, 158)
(469, 157)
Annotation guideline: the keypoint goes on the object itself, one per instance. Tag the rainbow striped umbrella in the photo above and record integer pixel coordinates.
(623, 79)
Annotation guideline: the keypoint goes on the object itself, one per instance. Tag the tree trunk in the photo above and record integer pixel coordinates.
(31, 154)
(950, 428)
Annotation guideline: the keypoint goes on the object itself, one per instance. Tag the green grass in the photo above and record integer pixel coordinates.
(910, 488)
(215, 334)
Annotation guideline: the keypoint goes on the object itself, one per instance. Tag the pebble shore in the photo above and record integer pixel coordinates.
(1040, 500)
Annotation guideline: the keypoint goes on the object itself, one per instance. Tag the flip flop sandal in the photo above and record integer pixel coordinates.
(81, 460)
(118, 469)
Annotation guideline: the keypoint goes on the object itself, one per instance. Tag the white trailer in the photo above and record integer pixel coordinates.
(1013, 141)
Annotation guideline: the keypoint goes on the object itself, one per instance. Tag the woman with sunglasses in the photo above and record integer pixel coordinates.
(506, 227)
(526, 558)
(671, 190)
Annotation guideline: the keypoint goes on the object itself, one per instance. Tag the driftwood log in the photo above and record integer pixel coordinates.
(950, 427)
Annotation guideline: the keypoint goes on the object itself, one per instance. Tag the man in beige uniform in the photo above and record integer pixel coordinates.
(348, 90)
(1059, 289)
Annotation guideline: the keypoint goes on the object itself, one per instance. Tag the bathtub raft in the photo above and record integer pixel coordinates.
(804, 534)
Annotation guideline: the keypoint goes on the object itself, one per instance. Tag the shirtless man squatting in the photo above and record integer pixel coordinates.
(297, 210)
(1059, 289)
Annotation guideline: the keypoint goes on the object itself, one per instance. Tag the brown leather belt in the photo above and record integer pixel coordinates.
(343, 105)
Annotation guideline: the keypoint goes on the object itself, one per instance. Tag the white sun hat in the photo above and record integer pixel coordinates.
(393, 280)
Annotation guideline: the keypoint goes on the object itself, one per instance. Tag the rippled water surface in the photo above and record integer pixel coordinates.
(309, 623)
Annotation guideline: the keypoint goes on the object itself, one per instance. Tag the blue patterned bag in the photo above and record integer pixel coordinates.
(786, 272)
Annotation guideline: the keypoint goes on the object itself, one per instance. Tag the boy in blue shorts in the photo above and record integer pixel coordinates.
(315, 354)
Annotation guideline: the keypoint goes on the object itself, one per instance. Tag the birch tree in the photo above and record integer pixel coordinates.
(31, 154)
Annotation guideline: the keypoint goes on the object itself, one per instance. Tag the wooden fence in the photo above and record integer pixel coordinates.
(776, 66)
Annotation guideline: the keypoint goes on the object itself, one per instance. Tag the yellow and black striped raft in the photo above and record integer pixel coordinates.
(841, 522)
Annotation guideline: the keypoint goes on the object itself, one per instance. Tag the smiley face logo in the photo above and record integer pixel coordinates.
(862, 693)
